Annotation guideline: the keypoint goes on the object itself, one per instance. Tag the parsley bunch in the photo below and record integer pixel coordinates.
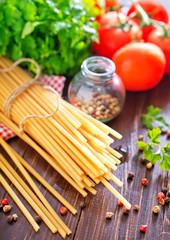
(55, 33)
(160, 154)
(152, 117)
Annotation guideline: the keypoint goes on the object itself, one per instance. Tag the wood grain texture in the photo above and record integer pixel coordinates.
(122, 226)
(90, 222)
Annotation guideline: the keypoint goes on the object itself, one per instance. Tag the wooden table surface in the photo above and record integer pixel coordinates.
(90, 222)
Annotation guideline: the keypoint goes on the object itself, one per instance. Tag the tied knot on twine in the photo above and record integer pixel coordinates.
(20, 89)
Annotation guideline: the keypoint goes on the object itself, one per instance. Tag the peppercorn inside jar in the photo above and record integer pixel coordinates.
(97, 90)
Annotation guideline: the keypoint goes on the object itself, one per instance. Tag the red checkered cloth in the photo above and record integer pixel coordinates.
(56, 82)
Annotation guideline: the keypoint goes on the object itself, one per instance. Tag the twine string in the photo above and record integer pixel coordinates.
(20, 89)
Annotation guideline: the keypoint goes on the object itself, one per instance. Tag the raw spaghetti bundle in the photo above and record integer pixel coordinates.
(41, 205)
(76, 145)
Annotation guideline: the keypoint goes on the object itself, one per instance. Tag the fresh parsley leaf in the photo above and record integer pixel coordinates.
(148, 152)
(165, 164)
(154, 134)
(147, 122)
(167, 148)
(152, 118)
(156, 157)
(141, 144)
(154, 111)
(29, 28)
(162, 123)
(60, 32)
(162, 154)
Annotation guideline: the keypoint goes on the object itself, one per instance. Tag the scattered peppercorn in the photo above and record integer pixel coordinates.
(63, 210)
(169, 193)
(1, 206)
(4, 201)
(161, 195)
(82, 204)
(109, 215)
(168, 133)
(140, 137)
(130, 176)
(136, 207)
(119, 203)
(10, 219)
(15, 216)
(100, 106)
(143, 160)
(144, 181)
(143, 228)
(156, 209)
(164, 190)
(126, 211)
(161, 201)
(167, 200)
(149, 165)
(7, 208)
(38, 219)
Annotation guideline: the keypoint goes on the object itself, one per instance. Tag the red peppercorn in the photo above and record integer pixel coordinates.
(119, 203)
(74, 102)
(144, 181)
(161, 195)
(4, 201)
(168, 133)
(63, 210)
(143, 228)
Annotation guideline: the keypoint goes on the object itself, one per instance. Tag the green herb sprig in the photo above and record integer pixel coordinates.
(57, 34)
(160, 154)
(152, 117)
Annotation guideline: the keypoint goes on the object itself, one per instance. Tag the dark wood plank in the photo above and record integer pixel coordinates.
(92, 224)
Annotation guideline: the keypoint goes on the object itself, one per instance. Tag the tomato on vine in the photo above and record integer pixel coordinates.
(112, 4)
(115, 30)
(161, 37)
(154, 9)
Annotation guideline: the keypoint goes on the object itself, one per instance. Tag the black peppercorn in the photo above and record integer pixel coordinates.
(82, 204)
(130, 176)
(38, 219)
(10, 219)
(164, 190)
(167, 200)
(143, 160)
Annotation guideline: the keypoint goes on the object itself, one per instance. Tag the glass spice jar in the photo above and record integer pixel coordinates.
(97, 90)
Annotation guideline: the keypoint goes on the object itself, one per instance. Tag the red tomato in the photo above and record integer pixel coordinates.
(155, 10)
(140, 65)
(112, 39)
(156, 37)
(112, 4)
